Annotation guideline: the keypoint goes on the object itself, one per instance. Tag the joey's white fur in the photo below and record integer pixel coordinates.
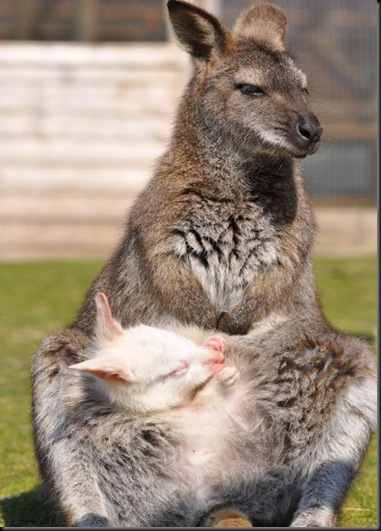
(176, 375)
(146, 369)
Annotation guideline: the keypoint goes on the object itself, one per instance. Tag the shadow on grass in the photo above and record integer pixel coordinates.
(30, 509)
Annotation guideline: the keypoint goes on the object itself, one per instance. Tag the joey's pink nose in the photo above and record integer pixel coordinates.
(215, 356)
(215, 361)
(217, 367)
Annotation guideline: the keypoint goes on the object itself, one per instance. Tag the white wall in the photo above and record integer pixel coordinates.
(80, 129)
(78, 115)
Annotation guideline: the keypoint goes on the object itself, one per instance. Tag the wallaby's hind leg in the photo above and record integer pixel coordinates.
(64, 465)
(337, 459)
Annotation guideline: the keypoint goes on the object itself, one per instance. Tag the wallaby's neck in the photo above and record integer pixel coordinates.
(213, 154)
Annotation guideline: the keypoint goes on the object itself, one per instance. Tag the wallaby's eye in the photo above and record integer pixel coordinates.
(305, 91)
(250, 90)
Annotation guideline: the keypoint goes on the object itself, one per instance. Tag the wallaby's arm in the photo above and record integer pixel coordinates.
(269, 292)
(64, 465)
(173, 286)
(255, 302)
(146, 281)
(182, 294)
(278, 288)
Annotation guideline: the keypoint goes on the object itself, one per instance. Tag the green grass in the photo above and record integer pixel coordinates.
(36, 298)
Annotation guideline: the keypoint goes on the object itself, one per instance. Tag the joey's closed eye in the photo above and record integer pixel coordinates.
(180, 370)
(250, 90)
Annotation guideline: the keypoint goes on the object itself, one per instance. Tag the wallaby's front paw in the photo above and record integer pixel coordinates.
(228, 375)
(216, 343)
(234, 323)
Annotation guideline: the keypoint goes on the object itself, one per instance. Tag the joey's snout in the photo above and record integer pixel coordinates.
(214, 357)
(214, 349)
(308, 133)
(214, 360)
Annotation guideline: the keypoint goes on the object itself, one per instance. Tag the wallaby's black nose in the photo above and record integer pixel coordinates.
(309, 128)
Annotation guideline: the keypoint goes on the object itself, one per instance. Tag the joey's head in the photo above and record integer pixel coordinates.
(247, 90)
(146, 369)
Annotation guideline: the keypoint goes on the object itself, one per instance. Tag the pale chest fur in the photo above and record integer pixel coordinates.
(226, 250)
(208, 437)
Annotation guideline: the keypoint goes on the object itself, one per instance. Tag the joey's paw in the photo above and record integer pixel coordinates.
(228, 375)
(216, 343)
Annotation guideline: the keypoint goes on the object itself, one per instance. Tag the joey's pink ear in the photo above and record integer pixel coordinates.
(104, 369)
(106, 328)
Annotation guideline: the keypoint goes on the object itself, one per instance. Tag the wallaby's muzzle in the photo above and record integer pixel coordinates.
(309, 132)
(305, 134)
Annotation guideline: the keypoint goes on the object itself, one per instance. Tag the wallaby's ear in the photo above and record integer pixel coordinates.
(198, 32)
(263, 23)
(106, 328)
(110, 369)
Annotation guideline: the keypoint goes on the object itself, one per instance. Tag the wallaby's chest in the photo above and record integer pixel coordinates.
(226, 250)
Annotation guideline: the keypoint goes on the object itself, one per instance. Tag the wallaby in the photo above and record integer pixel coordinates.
(219, 239)
(146, 369)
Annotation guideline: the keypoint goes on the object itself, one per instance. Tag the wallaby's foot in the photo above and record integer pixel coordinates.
(228, 375)
(226, 518)
(92, 520)
(315, 517)
(216, 343)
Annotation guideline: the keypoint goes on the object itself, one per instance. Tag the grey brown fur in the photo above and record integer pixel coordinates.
(220, 238)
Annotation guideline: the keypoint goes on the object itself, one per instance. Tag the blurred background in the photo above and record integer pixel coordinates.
(88, 91)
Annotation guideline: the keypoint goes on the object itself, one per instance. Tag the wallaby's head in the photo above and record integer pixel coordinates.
(246, 88)
(146, 369)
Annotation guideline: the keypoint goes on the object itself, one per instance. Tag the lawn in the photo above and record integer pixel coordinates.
(36, 298)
